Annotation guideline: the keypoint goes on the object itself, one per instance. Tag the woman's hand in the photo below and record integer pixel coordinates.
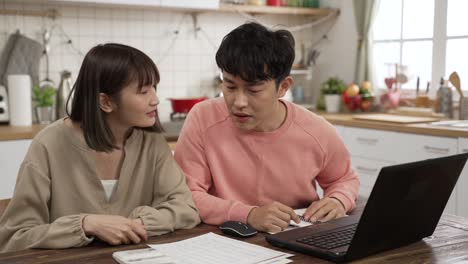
(114, 229)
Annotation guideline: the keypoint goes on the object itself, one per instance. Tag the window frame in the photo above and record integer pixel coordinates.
(439, 43)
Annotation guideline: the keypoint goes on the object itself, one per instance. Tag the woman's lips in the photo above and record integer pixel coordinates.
(151, 114)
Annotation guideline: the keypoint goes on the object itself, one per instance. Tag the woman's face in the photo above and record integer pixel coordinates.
(136, 107)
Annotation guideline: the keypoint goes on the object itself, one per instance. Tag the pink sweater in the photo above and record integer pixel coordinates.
(230, 171)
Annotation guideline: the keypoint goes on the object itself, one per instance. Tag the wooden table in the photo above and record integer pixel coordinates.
(449, 244)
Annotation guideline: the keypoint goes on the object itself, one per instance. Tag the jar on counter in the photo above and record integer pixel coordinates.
(275, 2)
(257, 2)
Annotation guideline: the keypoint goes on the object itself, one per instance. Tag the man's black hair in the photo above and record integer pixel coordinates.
(253, 52)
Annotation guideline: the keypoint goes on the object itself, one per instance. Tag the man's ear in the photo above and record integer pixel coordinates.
(284, 86)
(105, 103)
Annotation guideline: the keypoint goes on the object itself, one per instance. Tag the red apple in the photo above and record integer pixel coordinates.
(365, 105)
(354, 102)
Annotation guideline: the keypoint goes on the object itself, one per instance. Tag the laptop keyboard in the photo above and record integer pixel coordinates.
(330, 240)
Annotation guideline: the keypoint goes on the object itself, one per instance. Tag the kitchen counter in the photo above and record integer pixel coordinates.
(422, 128)
(7, 132)
(173, 128)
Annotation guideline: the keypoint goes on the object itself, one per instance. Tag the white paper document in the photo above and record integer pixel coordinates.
(215, 249)
(142, 256)
(300, 213)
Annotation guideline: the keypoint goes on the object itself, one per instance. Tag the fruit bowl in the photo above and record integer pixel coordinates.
(361, 102)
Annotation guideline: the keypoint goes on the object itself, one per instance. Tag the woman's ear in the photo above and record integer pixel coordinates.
(284, 86)
(105, 103)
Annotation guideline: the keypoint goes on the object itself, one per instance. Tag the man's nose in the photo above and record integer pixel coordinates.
(240, 99)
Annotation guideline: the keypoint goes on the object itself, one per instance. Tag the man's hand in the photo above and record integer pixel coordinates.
(115, 230)
(324, 210)
(274, 217)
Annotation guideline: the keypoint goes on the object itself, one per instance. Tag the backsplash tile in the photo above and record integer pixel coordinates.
(186, 60)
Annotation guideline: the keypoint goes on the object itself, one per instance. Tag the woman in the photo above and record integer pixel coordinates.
(103, 172)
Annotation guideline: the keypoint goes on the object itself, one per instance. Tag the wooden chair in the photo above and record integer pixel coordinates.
(3, 205)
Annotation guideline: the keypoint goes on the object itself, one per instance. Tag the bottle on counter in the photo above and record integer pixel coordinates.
(63, 91)
(444, 103)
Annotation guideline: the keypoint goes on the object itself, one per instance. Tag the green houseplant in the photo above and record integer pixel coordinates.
(43, 98)
(331, 91)
(333, 85)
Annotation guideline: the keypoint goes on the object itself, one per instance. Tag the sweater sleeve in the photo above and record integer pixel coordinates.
(190, 155)
(26, 222)
(172, 207)
(337, 177)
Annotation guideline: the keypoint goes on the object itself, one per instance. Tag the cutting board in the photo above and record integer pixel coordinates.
(398, 119)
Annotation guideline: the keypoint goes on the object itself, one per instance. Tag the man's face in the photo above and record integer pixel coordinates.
(253, 106)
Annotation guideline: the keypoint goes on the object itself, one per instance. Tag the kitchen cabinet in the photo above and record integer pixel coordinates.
(462, 185)
(368, 170)
(373, 144)
(12, 153)
(373, 149)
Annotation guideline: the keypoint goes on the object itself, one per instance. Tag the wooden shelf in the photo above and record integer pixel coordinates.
(276, 10)
(229, 8)
(299, 71)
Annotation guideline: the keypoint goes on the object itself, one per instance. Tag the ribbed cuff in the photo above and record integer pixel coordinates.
(85, 238)
(348, 204)
(240, 212)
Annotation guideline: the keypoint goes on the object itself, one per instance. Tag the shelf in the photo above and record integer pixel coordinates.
(299, 71)
(276, 10)
(228, 8)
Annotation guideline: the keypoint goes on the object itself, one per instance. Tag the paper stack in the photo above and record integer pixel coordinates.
(215, 249)
(205, 249)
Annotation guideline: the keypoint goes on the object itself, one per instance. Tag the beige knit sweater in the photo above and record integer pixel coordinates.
(57, 185)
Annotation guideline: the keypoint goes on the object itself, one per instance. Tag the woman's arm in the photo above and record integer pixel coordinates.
(26, 223)
(173, 206)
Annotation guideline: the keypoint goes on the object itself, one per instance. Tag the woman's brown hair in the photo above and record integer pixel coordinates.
(108, 68)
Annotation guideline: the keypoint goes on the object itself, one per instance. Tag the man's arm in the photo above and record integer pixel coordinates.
(190, 155)
(338, 180)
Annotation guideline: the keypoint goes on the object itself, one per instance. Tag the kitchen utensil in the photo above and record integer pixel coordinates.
(181, 105)
(445, 101)
(417, 86)
(4, 116)
(64, 90)
(455, 81)
(401, 78)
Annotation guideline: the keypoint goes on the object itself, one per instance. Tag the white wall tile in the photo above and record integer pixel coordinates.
(187, 65)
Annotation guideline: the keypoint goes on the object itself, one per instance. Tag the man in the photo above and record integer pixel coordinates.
(252, 157)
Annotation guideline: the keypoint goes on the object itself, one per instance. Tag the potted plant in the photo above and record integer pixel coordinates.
(43, 98)
(331, 89)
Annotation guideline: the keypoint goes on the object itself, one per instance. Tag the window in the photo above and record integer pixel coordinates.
(429, 36)
(457, 40)
(403, 34)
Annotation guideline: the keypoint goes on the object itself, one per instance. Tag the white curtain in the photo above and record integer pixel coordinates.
(364, 12)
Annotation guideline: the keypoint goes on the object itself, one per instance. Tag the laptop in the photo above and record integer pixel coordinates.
(404, 206)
